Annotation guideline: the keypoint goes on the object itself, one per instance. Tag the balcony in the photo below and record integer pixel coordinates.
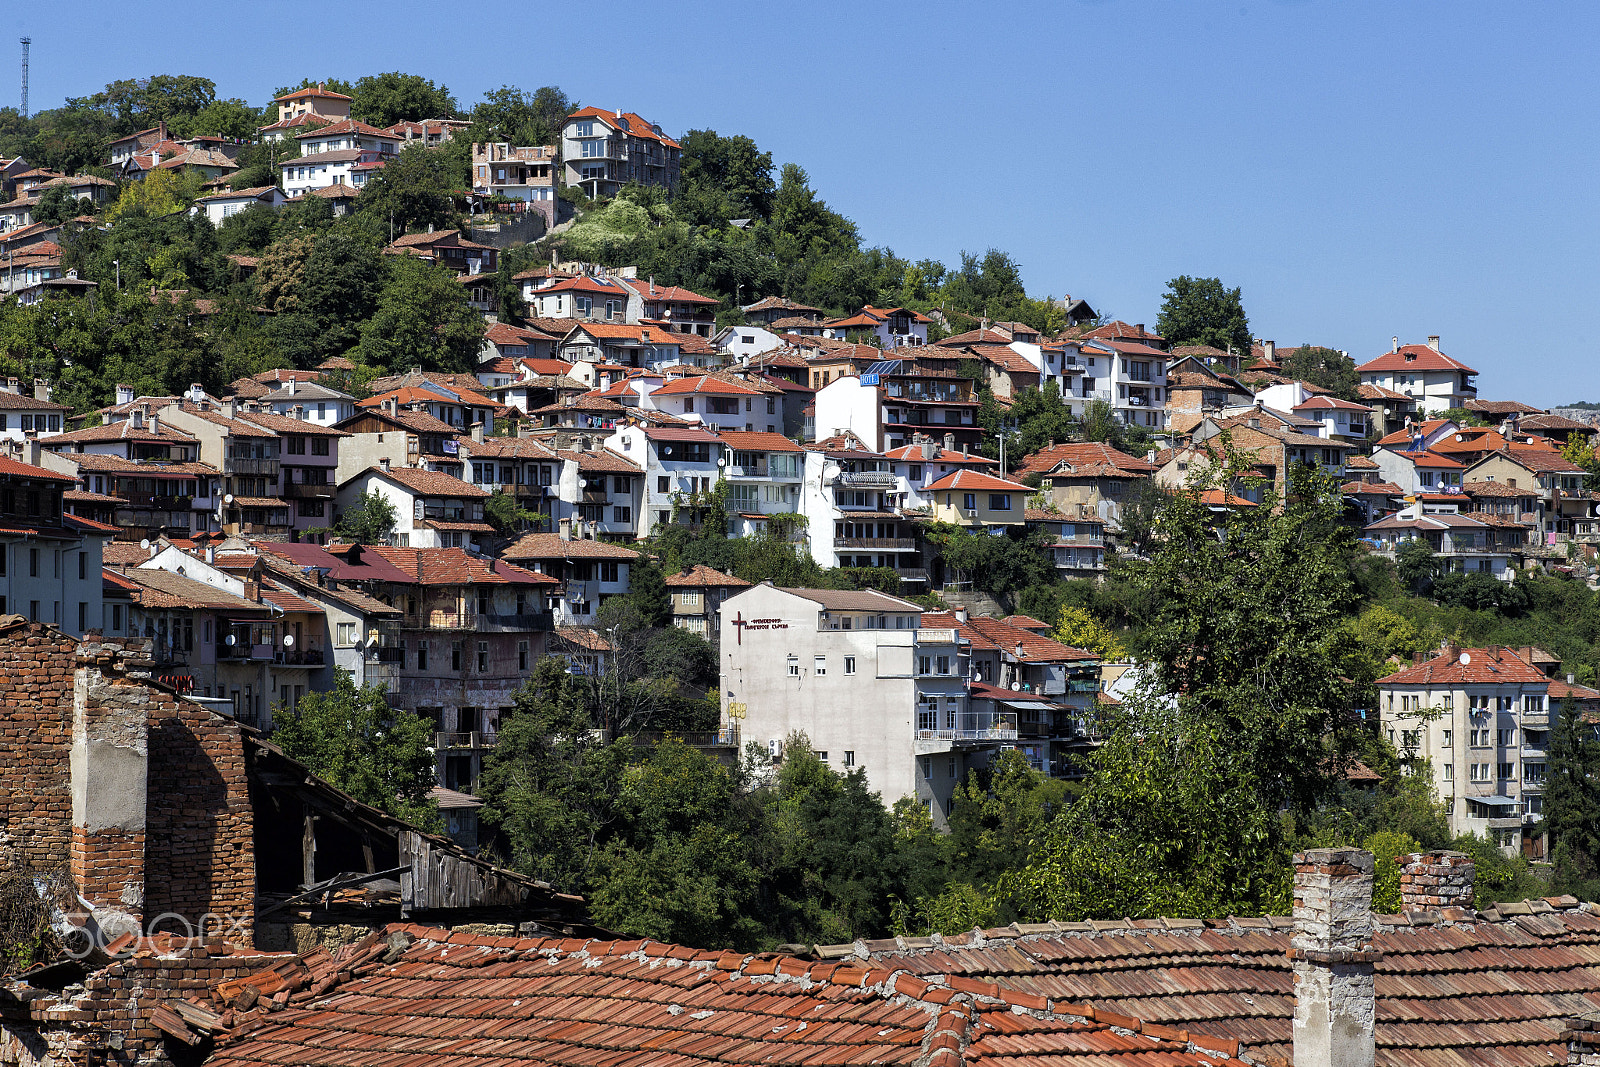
(970, 728)
(244, 653)
(470, 620)
(866, 480)
(233, 465)
(385, 654)
(937, 636)
(898, 544)
(473, 739)
(306, 491)
(309, 657)
(156, 501)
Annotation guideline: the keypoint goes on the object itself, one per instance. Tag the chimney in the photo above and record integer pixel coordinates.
(290, 387)
(41, 390)
(384, 463)
(565, 531)
(1269, 351)
(211, 553)
(477, 432)
(230, 407)
(929, 449)
(252, 590)
(197, 393)
(949, 442)
(136, 419)
(1334, 1009)
(1430, 881)
(961, 614)
(1138, 328)
(13, 385)
(389, 405)
(155, 423)
(124, 395)
(1394, 344)
(1433, 341)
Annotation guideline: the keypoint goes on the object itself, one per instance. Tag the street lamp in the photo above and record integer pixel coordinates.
(117, 263)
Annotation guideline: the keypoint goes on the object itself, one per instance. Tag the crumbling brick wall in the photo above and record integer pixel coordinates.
(35, 743)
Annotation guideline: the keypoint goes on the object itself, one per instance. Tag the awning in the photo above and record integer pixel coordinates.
(1027, 705)
(1495, 802)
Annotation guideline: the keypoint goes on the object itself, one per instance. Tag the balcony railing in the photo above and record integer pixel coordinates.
(240, 653)
(233, 465)
(470, 620)
(903, 544)
(936, 636)
(307, 657)
(971, 727)
(472, 739)
(722, 737)
(866, 479)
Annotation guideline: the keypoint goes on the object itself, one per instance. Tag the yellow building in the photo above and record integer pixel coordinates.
(972, 498)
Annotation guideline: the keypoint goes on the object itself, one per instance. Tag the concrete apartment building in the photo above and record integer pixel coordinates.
(1488, 744)
(863, 680)
(517, 172)
(1422, 373)
(604, 150)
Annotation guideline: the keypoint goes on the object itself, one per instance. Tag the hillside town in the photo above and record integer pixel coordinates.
(569, 665)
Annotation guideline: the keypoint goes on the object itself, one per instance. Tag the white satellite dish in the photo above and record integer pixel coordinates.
(228, 499)
(230, 640)
(1466, 659)
(1016, 687)
(288, 640)
(145, 544)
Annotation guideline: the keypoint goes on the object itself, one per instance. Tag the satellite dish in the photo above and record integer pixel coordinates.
(288, 640)
(228, 499)
(145, 544)
(230, 640)
(830, 471)
(1016, 687)
(1466, 659)
(722, 460)
(666, 450)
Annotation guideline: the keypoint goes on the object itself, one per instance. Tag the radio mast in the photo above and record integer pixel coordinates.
(26, 41)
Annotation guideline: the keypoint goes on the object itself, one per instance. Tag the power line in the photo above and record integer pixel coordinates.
(26, 41)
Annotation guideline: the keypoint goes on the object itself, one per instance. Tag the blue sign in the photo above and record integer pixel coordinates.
(869, 379)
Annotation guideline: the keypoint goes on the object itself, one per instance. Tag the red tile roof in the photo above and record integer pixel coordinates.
(1048, 459)
(423, 482)
(1120, 331)
(1469, 666)
(970, 480)
(484, 1001)
(705, 383)
(1413, 358)
(700, 577)
(355, 126)
(10, 468)
(913, 454)
(553, 546)
(637, 126)
(1329, 403)
(456, 566)
(1034, 648)
(757, 441)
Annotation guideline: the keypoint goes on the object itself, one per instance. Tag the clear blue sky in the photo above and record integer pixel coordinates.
(1361, 169)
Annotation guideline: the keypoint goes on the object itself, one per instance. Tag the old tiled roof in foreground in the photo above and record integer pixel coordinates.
(459, 1000)
(1454, 989)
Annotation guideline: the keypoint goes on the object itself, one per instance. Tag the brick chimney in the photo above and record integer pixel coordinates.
(41, 390)
(1433, 880)
(1582, 1036)
(1333, 957)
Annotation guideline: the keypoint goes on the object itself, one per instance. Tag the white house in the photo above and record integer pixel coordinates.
(1424, 373)
(343, 153)
(315, 403)
(742, 342)
(868, 687)
(681, 464)
(432, 509)
(219, 206)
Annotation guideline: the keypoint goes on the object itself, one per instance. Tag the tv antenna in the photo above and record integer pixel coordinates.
(26, 41)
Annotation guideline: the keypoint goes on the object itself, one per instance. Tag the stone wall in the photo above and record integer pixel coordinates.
(1436, 880)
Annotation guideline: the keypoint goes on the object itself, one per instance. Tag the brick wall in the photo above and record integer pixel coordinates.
(1436, 880)
(35, 740)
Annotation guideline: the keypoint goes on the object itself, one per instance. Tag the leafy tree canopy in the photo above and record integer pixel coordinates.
(369, 521)
(1202, 311)
(385, 99)
(1327, 368)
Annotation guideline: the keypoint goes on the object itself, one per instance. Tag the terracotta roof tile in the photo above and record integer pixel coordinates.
(425, 482)
(975, 480)
(1471, 666)
(700, 576)
(552, 546)
(1413, 358)
(1048, 459)
(455, 566)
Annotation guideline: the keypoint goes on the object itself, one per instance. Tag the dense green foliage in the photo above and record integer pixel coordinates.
(1328, 368)
(1202, 311)
(351, 737)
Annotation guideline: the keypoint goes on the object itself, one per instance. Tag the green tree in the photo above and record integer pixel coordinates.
(1579, 449)
(1326, 368)
(56, 205)
(1416, 565)
(354, 739)
(1079, 629)
(385, 99)
(550, 785)
(507, 516)
(1042, 419)
(412, 191)
(1202, 311)
(422, 320)
(370, 521)
(647, 589)
(521, 118)
(1572, 803)
(732, 175)
(1100, 423)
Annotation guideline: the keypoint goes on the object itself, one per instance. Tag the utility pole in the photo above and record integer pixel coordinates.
(26, 41)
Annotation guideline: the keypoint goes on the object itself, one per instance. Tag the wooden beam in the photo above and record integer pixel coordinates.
(308, 851)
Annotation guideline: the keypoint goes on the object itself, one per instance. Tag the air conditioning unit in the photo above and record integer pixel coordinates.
(775, 748)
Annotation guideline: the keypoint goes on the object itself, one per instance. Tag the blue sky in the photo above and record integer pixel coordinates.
(1362, 170)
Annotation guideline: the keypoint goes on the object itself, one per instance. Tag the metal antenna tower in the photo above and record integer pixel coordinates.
(26, 41)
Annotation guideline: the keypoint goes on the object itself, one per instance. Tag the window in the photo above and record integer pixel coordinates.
(999, 501)
(345, 634)
(849, 665)
(1505, 736)
(794, 667)
(455, 655)
(944, 664)
(820, 667)
(1533, 772)
(483, 656)
(1447, 738)
(924, 664)
(822, 755)
(296, 445)
(522, 655)
(1480, 772)
(663, 484)
(1480, 738)
(33, 563)
(1448, 772)
(422, 655)
(83, 616)
(82, 566)
(950, 766)
(622, 515)
(969, 501)
(608, 571)
(772, 409)
(849, 758)
(1508, 770)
